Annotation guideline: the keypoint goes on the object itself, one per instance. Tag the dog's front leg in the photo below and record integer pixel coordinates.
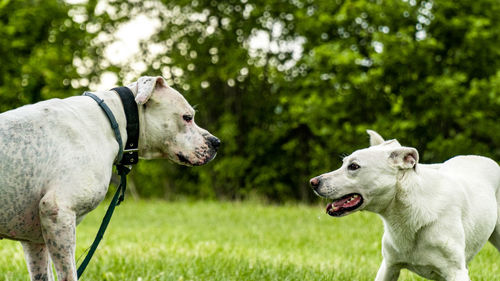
(457, 275)
(37, 259)
(59, 232)
(387, 272)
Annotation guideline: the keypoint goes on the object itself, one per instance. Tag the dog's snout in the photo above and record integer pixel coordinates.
(315, 182)
(214, 141)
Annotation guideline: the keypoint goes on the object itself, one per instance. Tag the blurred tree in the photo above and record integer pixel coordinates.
(288, 85)
(38, 42)
(420, 71)
(414, 70)
(206, 54)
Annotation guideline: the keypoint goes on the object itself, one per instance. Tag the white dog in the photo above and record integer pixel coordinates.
(436, 217)
(56, 159)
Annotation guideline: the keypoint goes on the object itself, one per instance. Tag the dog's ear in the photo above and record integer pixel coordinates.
(404, 157)
(375, 138)
(145, 86)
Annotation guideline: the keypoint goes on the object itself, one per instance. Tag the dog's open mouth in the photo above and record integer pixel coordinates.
(344, 204)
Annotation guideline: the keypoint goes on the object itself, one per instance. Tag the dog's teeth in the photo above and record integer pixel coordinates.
(355, 196)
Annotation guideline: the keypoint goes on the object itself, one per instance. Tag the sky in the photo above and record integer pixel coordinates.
(141, 27)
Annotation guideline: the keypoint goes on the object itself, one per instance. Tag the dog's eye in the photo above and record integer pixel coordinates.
(187, 118)
(353, 166)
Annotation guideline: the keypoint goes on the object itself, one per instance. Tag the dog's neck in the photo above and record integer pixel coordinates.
(415, 203)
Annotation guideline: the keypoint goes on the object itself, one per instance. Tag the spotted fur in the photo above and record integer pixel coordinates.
(56, 161)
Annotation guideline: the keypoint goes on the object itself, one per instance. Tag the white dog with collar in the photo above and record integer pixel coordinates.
(56, 159)
(436, 217)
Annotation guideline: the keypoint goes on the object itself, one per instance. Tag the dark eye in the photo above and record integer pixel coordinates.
(187, 118)
(353, 166)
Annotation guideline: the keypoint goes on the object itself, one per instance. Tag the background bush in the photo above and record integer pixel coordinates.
(424, 72)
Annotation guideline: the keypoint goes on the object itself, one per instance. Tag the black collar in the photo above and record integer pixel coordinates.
(131, 149)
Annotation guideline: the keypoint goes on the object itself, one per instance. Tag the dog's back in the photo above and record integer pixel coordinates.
(475, 169)
(482, 178)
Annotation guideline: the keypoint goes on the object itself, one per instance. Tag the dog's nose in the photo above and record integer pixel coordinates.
(215, 142)
(315, 182)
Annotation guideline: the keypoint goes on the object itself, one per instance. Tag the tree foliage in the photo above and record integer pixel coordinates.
(39, 42)
(424, 72)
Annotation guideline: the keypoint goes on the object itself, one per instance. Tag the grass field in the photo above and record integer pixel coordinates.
(156, 240)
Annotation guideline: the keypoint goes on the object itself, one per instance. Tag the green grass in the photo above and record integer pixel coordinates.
(156, 240)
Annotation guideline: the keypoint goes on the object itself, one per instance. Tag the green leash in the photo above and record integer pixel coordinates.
(123, 161)
(117, 199)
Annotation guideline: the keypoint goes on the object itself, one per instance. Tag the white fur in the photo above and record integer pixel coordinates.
(56, 159)
(436, 217)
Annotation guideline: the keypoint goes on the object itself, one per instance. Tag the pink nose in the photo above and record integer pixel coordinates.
(314, 182)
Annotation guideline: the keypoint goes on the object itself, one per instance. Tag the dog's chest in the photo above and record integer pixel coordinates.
(426, 271)
(418, 261)
(415, 254)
